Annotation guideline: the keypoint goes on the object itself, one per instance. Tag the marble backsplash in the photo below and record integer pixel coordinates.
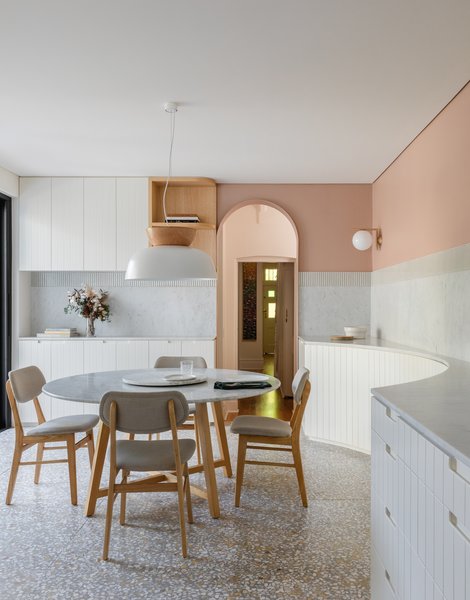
(136, 311)
(425, 303)
(329, 301)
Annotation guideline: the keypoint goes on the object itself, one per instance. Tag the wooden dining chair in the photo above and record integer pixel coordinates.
(24, 385)
(173, 362)
(137, 413)
(274, 434)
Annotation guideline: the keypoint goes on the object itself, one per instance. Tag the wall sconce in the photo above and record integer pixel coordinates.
(362, 239)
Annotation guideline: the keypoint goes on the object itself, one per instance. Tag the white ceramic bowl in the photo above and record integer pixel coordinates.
(358, 332)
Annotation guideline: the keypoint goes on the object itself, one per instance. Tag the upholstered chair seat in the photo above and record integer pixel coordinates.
(65, 425)
(143, 455)
(254, 425)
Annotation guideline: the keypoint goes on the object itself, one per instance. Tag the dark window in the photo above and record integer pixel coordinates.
(5, 306)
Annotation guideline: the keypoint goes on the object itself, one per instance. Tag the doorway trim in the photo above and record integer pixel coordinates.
(227, 295)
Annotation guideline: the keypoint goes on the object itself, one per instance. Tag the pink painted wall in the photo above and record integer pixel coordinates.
(422, 201)
(326, 217)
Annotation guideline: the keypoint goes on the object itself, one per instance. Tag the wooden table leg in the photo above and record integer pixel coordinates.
(222, 437)
(207, 458)
(97, 469)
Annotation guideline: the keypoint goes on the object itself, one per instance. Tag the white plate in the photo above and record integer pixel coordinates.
(179, 377)
(151, 380)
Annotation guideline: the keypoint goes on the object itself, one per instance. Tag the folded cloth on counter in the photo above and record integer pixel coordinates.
(241, 385)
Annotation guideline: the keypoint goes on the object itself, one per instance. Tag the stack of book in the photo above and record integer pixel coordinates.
(59, 332)
(182, 219)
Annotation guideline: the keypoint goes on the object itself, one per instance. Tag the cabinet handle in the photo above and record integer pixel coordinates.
(388, 578)
(454, 522)
(388, 450)
(389, 515)
(453, 467)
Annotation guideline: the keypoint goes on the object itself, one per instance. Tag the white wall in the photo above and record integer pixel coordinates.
(9, 183)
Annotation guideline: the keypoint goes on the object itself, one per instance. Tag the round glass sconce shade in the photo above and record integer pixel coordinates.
(362, 240)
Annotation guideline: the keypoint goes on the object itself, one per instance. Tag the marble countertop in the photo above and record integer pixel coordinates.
(438, 407)
(117, 338)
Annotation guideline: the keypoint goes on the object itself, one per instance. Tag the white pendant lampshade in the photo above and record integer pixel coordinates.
(167, 263)
(362, 240)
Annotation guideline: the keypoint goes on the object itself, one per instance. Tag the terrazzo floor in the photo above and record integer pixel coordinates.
(269, 548)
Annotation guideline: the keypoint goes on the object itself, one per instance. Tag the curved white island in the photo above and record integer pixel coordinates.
(420, 457)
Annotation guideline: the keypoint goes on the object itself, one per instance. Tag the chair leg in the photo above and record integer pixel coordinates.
(122, 513)
(109, 514)
(150, 437)
(299, 471)
(198, 446)
(15, 465)
(90, 446)
(187, 486)
(72, 468)
(180, 485)
(39, 455)
(240, 468)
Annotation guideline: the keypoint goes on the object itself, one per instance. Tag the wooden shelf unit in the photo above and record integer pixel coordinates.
(187, 195)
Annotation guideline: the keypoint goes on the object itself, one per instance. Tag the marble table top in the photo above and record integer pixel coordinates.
(90, 387)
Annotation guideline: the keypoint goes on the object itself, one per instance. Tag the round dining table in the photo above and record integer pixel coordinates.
(90, 388)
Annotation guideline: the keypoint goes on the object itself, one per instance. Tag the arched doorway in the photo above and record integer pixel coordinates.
(256, 231)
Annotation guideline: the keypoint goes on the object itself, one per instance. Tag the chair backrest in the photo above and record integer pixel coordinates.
(298, 384)
(301, 390)
(26, 383)
(143, 413)
(173, 362)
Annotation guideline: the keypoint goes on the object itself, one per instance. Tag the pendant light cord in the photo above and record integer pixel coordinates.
(170, 156)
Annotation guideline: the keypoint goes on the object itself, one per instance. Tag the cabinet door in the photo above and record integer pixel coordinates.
(99, 224)
(204, 348)
(133, 354)
(132, 216)
(67, 223)
(163, 348)
(66, 360)
(35, 224)
(37, 353)
(98, 355)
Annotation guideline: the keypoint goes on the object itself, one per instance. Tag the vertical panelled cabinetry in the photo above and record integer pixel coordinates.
(344, 376)
(81, 223)
(63, 358)
(420, 514)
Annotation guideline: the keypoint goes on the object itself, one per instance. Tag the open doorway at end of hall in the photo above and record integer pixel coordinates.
(266, 335)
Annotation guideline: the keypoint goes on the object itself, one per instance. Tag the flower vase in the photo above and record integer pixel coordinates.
(90, 327)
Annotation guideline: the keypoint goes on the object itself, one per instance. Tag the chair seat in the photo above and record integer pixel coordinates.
(267, 426)
(142, 455)
(65, 425)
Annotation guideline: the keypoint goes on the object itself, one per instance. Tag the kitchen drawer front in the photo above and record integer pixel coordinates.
(385, 423)
(159, 348)
(381, 587)
(132, 354)
(66, 360)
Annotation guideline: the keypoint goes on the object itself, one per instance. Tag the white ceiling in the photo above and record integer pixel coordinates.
(295, 91)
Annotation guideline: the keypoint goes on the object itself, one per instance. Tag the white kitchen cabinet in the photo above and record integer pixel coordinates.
(35, 224)
(67, 223)
(131, 218)
(204, 348)
(98, 355)
(99, 224)
(66, 360)
(159, 348)
(132, 354)
(37, 353)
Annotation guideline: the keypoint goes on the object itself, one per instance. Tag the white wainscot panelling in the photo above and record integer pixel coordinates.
(66, 360)
(132, 354)
(159, 348)
(67, 224)
(35, 224)
(342, 377)
(131, 218)
(99, 224)
(37, 353)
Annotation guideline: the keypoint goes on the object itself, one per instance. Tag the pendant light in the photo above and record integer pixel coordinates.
(169, 257)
